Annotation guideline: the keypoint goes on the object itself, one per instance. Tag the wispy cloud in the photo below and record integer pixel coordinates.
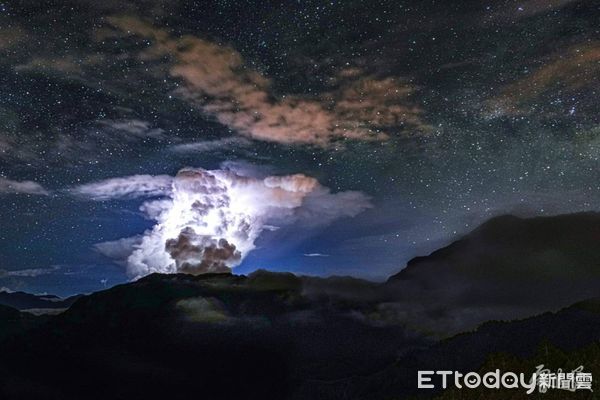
(206, 146)
(560, 76)
(11, 37)
(528, 8)
(126, 187)
(28, 273)
(8, 186)
(134, 129)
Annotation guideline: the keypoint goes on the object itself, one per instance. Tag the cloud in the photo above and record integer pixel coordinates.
(217, 80)
(200, 309)
(315, 255)
(245, 168)
(8, 186)
(67, 65)
(527, 8)
(28, 273)
(134, 129)
(91, 141)
(10, 37)
(118, 250)
(377, 103)
(211, 219)
(207, 146)
(129, 187)
(567, 74)
(107, 137)
(195, 253)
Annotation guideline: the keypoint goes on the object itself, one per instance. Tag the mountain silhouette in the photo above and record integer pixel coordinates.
(25, 301)
(507, 268)
(573, 333)
(281, 336)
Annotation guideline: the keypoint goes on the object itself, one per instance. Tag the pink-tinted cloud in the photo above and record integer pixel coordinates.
(216, 79)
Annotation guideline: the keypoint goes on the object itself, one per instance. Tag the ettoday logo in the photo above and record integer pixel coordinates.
(471, 380)
(542, 378)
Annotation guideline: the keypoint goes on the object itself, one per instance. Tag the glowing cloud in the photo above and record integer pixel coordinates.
(208, 221)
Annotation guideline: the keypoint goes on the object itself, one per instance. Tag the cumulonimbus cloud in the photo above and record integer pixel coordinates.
(9, 186)
(216, 79)
(208, 221)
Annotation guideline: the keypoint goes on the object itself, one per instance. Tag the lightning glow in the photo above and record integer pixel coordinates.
(211, 219)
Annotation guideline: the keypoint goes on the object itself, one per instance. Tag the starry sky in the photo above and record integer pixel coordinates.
(439, 114)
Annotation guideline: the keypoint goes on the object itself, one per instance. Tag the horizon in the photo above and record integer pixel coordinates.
(341, 151)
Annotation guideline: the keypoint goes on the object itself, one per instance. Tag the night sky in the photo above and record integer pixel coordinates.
(418, 119)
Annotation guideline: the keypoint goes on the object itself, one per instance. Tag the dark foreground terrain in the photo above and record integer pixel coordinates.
(279, 336)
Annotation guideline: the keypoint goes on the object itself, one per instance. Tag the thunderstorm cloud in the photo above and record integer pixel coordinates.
(208, 221)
